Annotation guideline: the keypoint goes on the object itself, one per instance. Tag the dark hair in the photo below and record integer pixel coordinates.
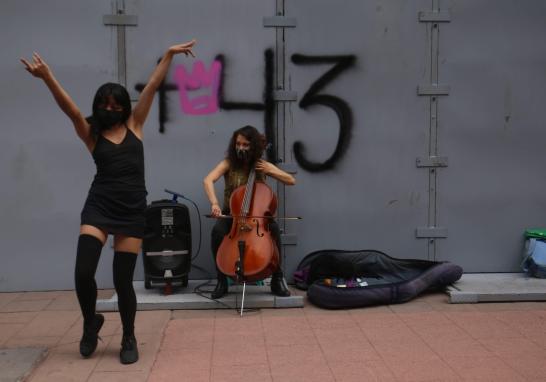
(120, 95)
(257, 146)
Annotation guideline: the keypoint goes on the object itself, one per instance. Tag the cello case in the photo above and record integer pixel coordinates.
(337, 279)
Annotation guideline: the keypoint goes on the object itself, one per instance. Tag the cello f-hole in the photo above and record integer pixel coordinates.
(260, 234)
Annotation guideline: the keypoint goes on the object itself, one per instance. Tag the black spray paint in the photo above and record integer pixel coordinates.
(342, 109)
(310, 98)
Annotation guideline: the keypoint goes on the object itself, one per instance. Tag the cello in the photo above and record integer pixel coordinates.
(249, 253)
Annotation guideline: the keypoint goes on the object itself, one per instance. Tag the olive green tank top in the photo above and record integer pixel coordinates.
(233, 179)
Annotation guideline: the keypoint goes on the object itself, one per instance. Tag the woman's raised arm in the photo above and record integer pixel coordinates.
(39, 68)
(140, 112)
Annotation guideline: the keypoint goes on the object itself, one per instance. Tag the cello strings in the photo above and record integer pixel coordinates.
(248, 193)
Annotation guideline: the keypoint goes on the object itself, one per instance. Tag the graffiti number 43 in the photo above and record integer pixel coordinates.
(214, 79)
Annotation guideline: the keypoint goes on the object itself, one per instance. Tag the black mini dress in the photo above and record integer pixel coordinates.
(117, 197)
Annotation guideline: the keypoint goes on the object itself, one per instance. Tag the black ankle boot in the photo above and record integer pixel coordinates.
(88, 343)
(129, 350)
(221, 287)
(278, 285)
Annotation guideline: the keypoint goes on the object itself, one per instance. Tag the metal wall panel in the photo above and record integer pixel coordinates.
(374, 197)
(492, 129)
(482, 137)
(46, 170)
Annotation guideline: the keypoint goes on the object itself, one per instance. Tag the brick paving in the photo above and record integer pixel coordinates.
(426, 339)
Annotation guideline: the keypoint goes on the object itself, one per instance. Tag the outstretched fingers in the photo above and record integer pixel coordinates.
(37, 66)
(188, 44)
(28, 66)
(185, 48)
(37, 58)
(25, 62)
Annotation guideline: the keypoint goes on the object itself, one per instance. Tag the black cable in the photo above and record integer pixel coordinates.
(208, 275)
(174, 193)
(206, 294)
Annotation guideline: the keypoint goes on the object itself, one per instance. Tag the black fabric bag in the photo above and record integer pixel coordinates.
(337, 279)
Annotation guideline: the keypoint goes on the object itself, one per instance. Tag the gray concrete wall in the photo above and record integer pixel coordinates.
(365, 190)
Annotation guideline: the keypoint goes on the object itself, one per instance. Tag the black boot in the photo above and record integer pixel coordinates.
(129, 350)
(88, 343)
(278, 285)
(221, 287)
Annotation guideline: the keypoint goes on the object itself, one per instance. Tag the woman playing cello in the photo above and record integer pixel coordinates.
(244, 152)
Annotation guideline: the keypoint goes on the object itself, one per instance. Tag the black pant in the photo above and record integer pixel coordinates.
(222, 228)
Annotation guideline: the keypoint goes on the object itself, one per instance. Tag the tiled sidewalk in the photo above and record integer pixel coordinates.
(426, 339)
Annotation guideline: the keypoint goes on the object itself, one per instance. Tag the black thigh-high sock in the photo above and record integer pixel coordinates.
(124, 267)
(87, 259)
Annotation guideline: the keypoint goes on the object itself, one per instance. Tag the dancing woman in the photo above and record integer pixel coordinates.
(117, 198)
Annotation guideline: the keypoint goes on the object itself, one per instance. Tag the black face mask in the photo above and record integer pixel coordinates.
(108, 118)
(242, 154)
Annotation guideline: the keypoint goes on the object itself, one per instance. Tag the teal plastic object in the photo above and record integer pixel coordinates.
(259, 282)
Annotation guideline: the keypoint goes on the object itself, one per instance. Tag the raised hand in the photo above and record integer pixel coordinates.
(265, 167)
(185, 48)
(271, 170)
(141, 109)
(38, 67)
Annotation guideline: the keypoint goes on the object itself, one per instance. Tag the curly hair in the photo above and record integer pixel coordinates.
(257, 146)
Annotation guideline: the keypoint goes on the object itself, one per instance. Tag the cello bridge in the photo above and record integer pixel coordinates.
(245, 228)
